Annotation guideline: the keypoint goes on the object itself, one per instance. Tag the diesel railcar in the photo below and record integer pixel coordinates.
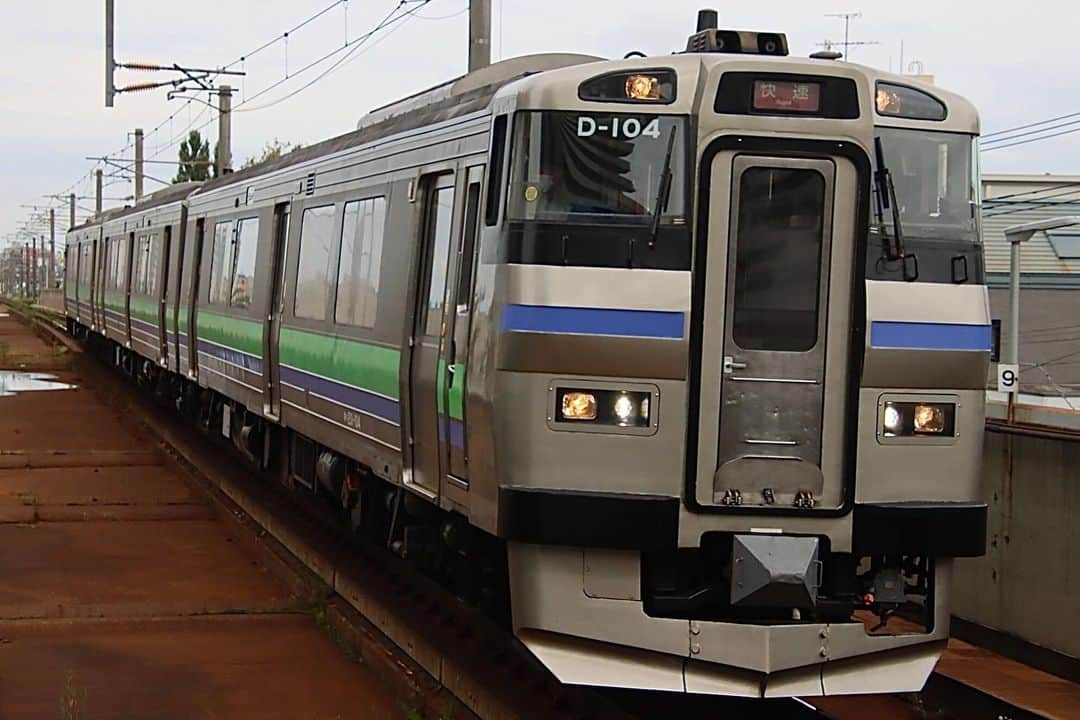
(684, 354)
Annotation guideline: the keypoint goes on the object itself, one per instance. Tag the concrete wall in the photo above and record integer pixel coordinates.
(1028, 583)
(1049, 336)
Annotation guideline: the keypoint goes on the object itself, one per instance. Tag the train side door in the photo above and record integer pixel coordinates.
(129, 280)
(774, 362)
(175, 286)
(427, 372)
(275, 308)
(193, 298)
(459, 314)
(98, 289)
(163, 252)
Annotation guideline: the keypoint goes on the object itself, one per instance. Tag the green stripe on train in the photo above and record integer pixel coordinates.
(371, 367)
(145, 310)
(237, 333)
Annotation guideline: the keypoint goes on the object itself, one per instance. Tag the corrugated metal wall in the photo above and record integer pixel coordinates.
(1027, 199)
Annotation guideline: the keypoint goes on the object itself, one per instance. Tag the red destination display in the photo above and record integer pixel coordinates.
(787, 96)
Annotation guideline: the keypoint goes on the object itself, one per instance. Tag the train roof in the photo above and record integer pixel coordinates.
(461, 96)
(164, 196)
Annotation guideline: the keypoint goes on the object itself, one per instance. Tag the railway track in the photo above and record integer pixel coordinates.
(437, 655)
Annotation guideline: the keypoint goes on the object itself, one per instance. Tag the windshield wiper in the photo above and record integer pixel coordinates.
(663, 191)
(886, 200)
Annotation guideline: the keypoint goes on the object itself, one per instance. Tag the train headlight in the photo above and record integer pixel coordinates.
(624, 408)
(892, 420)
(915, 419)
(577, 405)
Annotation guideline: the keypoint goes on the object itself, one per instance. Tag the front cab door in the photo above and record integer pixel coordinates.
(774, 384)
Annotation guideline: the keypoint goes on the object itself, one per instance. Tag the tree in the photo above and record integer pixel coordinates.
(273, 150)
(195, 159)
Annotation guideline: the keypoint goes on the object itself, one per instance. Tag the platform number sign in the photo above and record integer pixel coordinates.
(1008, 377)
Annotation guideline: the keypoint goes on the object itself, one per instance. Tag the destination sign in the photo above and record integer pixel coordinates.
(784, 96)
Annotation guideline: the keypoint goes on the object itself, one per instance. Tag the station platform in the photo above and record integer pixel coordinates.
(124, 593)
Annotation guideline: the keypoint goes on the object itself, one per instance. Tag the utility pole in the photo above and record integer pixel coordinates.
(26, 269)
(33, 267)
(50, 277)
(224, 149)
(110, 60)
(97, 195)
(479, 34)
(71, 211)
(138, 164)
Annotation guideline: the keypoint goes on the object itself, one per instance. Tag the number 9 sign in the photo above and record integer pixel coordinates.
(1008, 378)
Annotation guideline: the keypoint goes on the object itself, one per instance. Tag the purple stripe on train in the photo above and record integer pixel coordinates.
(355, 398)
(236, 357)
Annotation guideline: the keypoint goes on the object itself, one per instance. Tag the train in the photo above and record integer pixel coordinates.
(679, 359)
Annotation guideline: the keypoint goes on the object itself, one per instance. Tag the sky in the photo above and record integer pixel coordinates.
(1015, 61)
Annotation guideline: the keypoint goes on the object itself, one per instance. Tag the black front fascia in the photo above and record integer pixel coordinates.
(623, 245)
(780, 147)
(931, 529)
(589, 519)
(957, 262)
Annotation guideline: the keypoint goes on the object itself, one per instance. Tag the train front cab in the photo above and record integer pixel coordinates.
(778, 525)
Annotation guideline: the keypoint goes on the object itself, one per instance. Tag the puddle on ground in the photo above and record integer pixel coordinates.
(13, 382)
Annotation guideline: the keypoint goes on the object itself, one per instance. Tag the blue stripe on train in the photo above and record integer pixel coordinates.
(593, 321)
(930, 336)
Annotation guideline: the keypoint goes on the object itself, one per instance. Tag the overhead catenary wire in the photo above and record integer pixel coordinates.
(1031, 140)
(352, 46)
(87, 178)
(1028, 133)
(1030, 125)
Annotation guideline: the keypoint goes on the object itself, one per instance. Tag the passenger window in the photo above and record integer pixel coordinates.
(468, 247)
(778, 259)
(153, 264)
(221, 261)
(313, 270)
(359, 261)
(121, 263)
(247, 245)
(142, 250)
(441, 229)
(495, 170)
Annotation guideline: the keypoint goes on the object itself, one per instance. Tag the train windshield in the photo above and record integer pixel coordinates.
(596, 167)
(936, 182)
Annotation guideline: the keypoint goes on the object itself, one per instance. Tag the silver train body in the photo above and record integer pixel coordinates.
(650, 322)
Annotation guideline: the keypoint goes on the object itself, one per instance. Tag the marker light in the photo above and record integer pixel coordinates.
(643, 87)
(929, 419)
(578, 406)
(888, 103)
(907, 102)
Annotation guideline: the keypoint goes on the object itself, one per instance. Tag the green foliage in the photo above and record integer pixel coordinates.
(195, 159)
(273, 150)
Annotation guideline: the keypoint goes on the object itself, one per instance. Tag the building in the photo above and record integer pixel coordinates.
(1050, 276)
